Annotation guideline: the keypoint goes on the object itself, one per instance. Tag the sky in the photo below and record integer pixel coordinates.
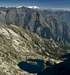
(40, 3)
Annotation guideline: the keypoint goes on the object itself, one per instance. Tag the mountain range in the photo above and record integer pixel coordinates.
(46, 23)
(27, 33)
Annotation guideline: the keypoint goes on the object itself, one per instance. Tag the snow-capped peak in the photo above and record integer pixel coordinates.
(19, 6)
(33, 7)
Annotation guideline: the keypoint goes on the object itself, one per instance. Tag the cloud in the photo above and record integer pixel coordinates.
(59, 9)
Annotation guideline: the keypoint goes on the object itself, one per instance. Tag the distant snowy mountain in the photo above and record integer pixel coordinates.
(19, 6)
(33, 7)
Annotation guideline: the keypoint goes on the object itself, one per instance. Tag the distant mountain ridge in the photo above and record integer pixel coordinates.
(46, 23)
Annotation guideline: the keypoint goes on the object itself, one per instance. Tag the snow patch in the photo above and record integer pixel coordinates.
(33, 7)
(19, 6)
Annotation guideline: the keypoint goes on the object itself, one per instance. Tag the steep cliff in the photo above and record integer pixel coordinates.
(46, 23)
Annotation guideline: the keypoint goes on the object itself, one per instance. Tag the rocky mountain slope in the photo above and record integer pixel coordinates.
(17, 44)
